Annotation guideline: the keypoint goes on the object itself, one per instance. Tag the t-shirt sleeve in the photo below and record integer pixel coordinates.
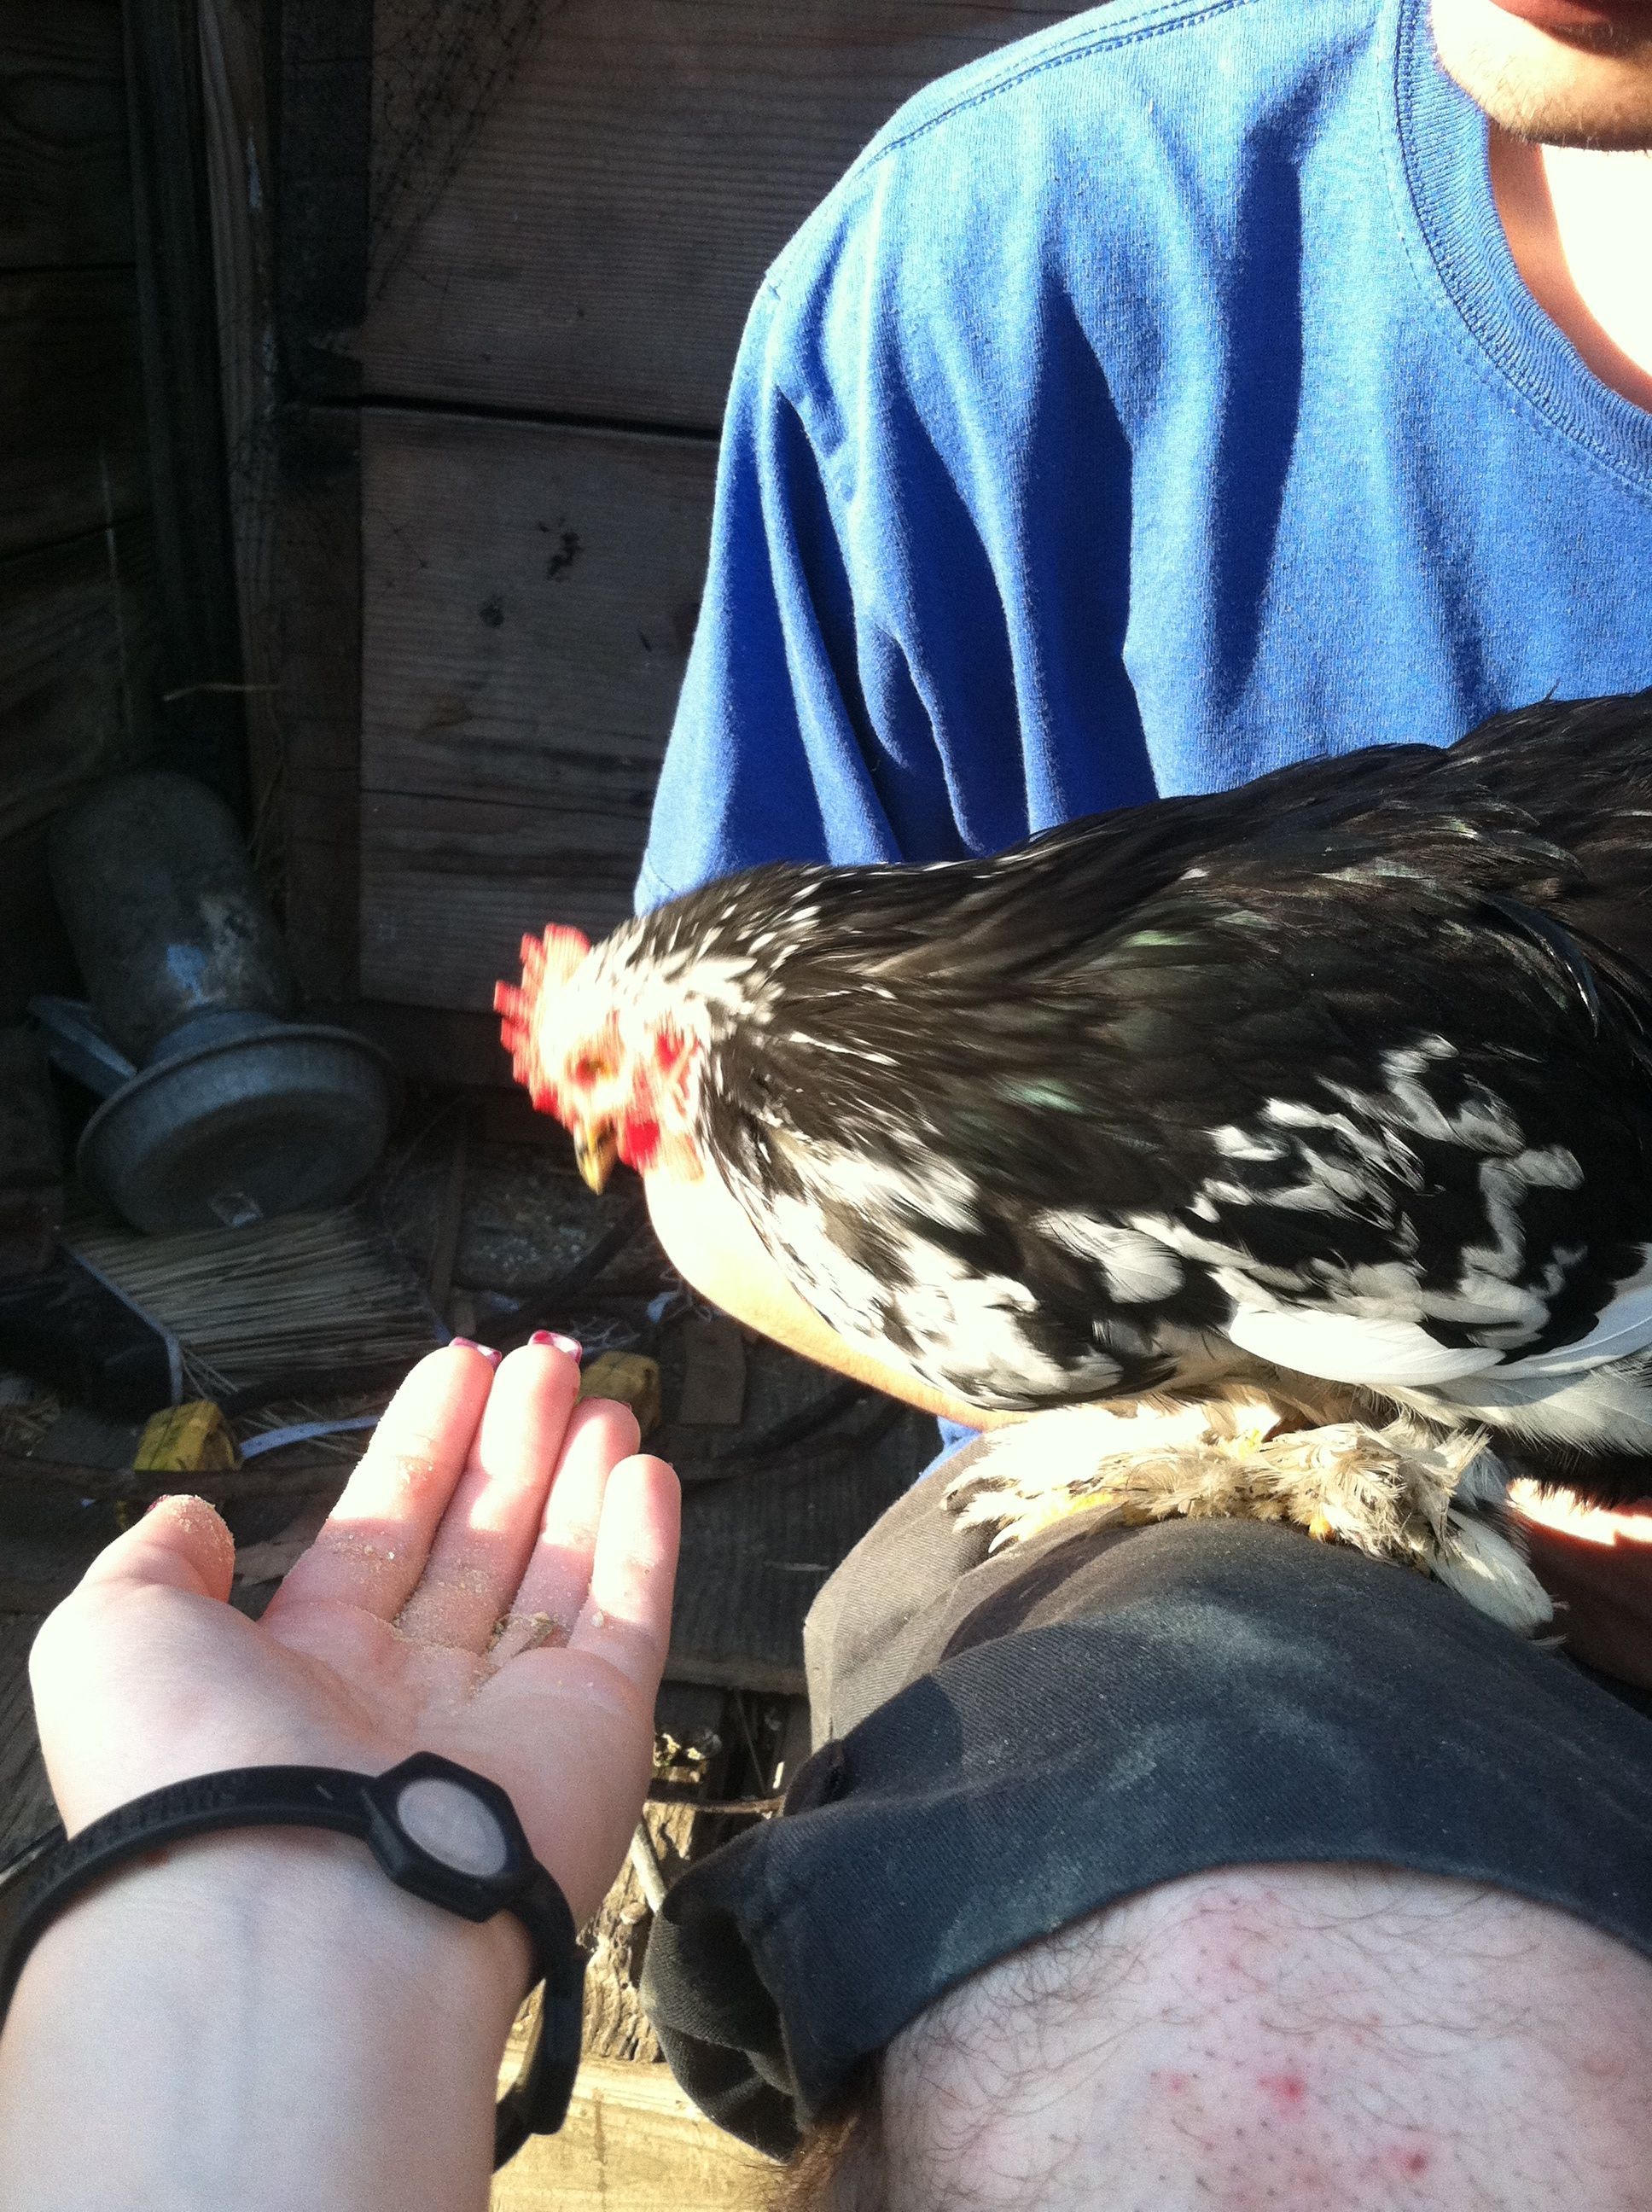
(773, 753)
(910, 645)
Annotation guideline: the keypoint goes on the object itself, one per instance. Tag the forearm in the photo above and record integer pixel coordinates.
(256, 2020)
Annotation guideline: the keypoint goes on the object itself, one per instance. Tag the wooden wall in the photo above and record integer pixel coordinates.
(75, 558)
(519, 242)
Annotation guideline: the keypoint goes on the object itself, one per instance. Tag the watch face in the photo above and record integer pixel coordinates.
(449, 1821)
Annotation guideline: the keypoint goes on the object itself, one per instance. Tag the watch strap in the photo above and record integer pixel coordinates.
(365, 1807)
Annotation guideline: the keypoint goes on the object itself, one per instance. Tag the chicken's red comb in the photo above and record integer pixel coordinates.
(547, 961)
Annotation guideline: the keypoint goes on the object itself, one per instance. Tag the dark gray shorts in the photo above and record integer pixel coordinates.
(1005, 1745)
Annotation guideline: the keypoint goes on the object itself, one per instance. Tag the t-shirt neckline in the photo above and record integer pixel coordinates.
(1444, 185)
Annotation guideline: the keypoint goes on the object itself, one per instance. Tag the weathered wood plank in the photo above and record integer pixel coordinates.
(71, 420)
(430, 1046)
(633, 2142)
(64, 195)
(318, 667)
(529, 598)
(617, 1942)
(573, 208)
(75, 666)
(450, 886)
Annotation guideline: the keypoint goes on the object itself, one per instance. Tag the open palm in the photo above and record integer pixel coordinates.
(494, 1584)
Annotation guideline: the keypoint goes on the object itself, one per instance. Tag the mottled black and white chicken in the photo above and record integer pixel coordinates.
(1307, 1127)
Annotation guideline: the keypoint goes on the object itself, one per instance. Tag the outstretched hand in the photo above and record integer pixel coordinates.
(494, 1584)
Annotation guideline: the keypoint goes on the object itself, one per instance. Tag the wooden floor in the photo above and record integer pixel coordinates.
(631, 2137)
(633, 2142)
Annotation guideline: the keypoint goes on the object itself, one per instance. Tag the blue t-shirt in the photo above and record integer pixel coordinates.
(1155, 402)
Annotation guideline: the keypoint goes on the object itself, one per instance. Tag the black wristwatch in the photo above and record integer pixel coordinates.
(437, 1831)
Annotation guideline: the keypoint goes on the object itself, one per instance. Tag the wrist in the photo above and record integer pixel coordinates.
(249, 1999)
(302, 1907)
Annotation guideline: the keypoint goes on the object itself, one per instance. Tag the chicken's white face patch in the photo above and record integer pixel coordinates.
(615, 1041)
(631, 1064)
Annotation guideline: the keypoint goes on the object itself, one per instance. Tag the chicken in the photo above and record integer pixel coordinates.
(1303, 1129)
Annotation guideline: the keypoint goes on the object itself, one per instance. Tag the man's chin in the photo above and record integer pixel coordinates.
(1579, 76)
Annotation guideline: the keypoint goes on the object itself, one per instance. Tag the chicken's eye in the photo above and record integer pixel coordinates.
(590, 1068)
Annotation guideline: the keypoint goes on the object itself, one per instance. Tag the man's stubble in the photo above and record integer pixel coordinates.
(1573, 91)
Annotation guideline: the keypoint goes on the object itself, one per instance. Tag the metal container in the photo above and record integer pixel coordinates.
(157, 894)
(217, 1111)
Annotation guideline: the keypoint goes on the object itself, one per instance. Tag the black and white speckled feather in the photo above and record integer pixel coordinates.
(1345, 1074)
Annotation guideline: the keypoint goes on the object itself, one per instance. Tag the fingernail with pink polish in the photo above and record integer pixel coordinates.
(570, 1344)
(487, 1351)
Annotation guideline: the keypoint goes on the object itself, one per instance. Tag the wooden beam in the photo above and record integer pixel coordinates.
(432, 1046)
(617, 1939)
(201, 724)
(64, 195)
(240, 177)
(71, 431)
(318, 667)
(321, 108)
(324, 120)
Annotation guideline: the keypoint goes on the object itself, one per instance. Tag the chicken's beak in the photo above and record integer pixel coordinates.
(595, 1152)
